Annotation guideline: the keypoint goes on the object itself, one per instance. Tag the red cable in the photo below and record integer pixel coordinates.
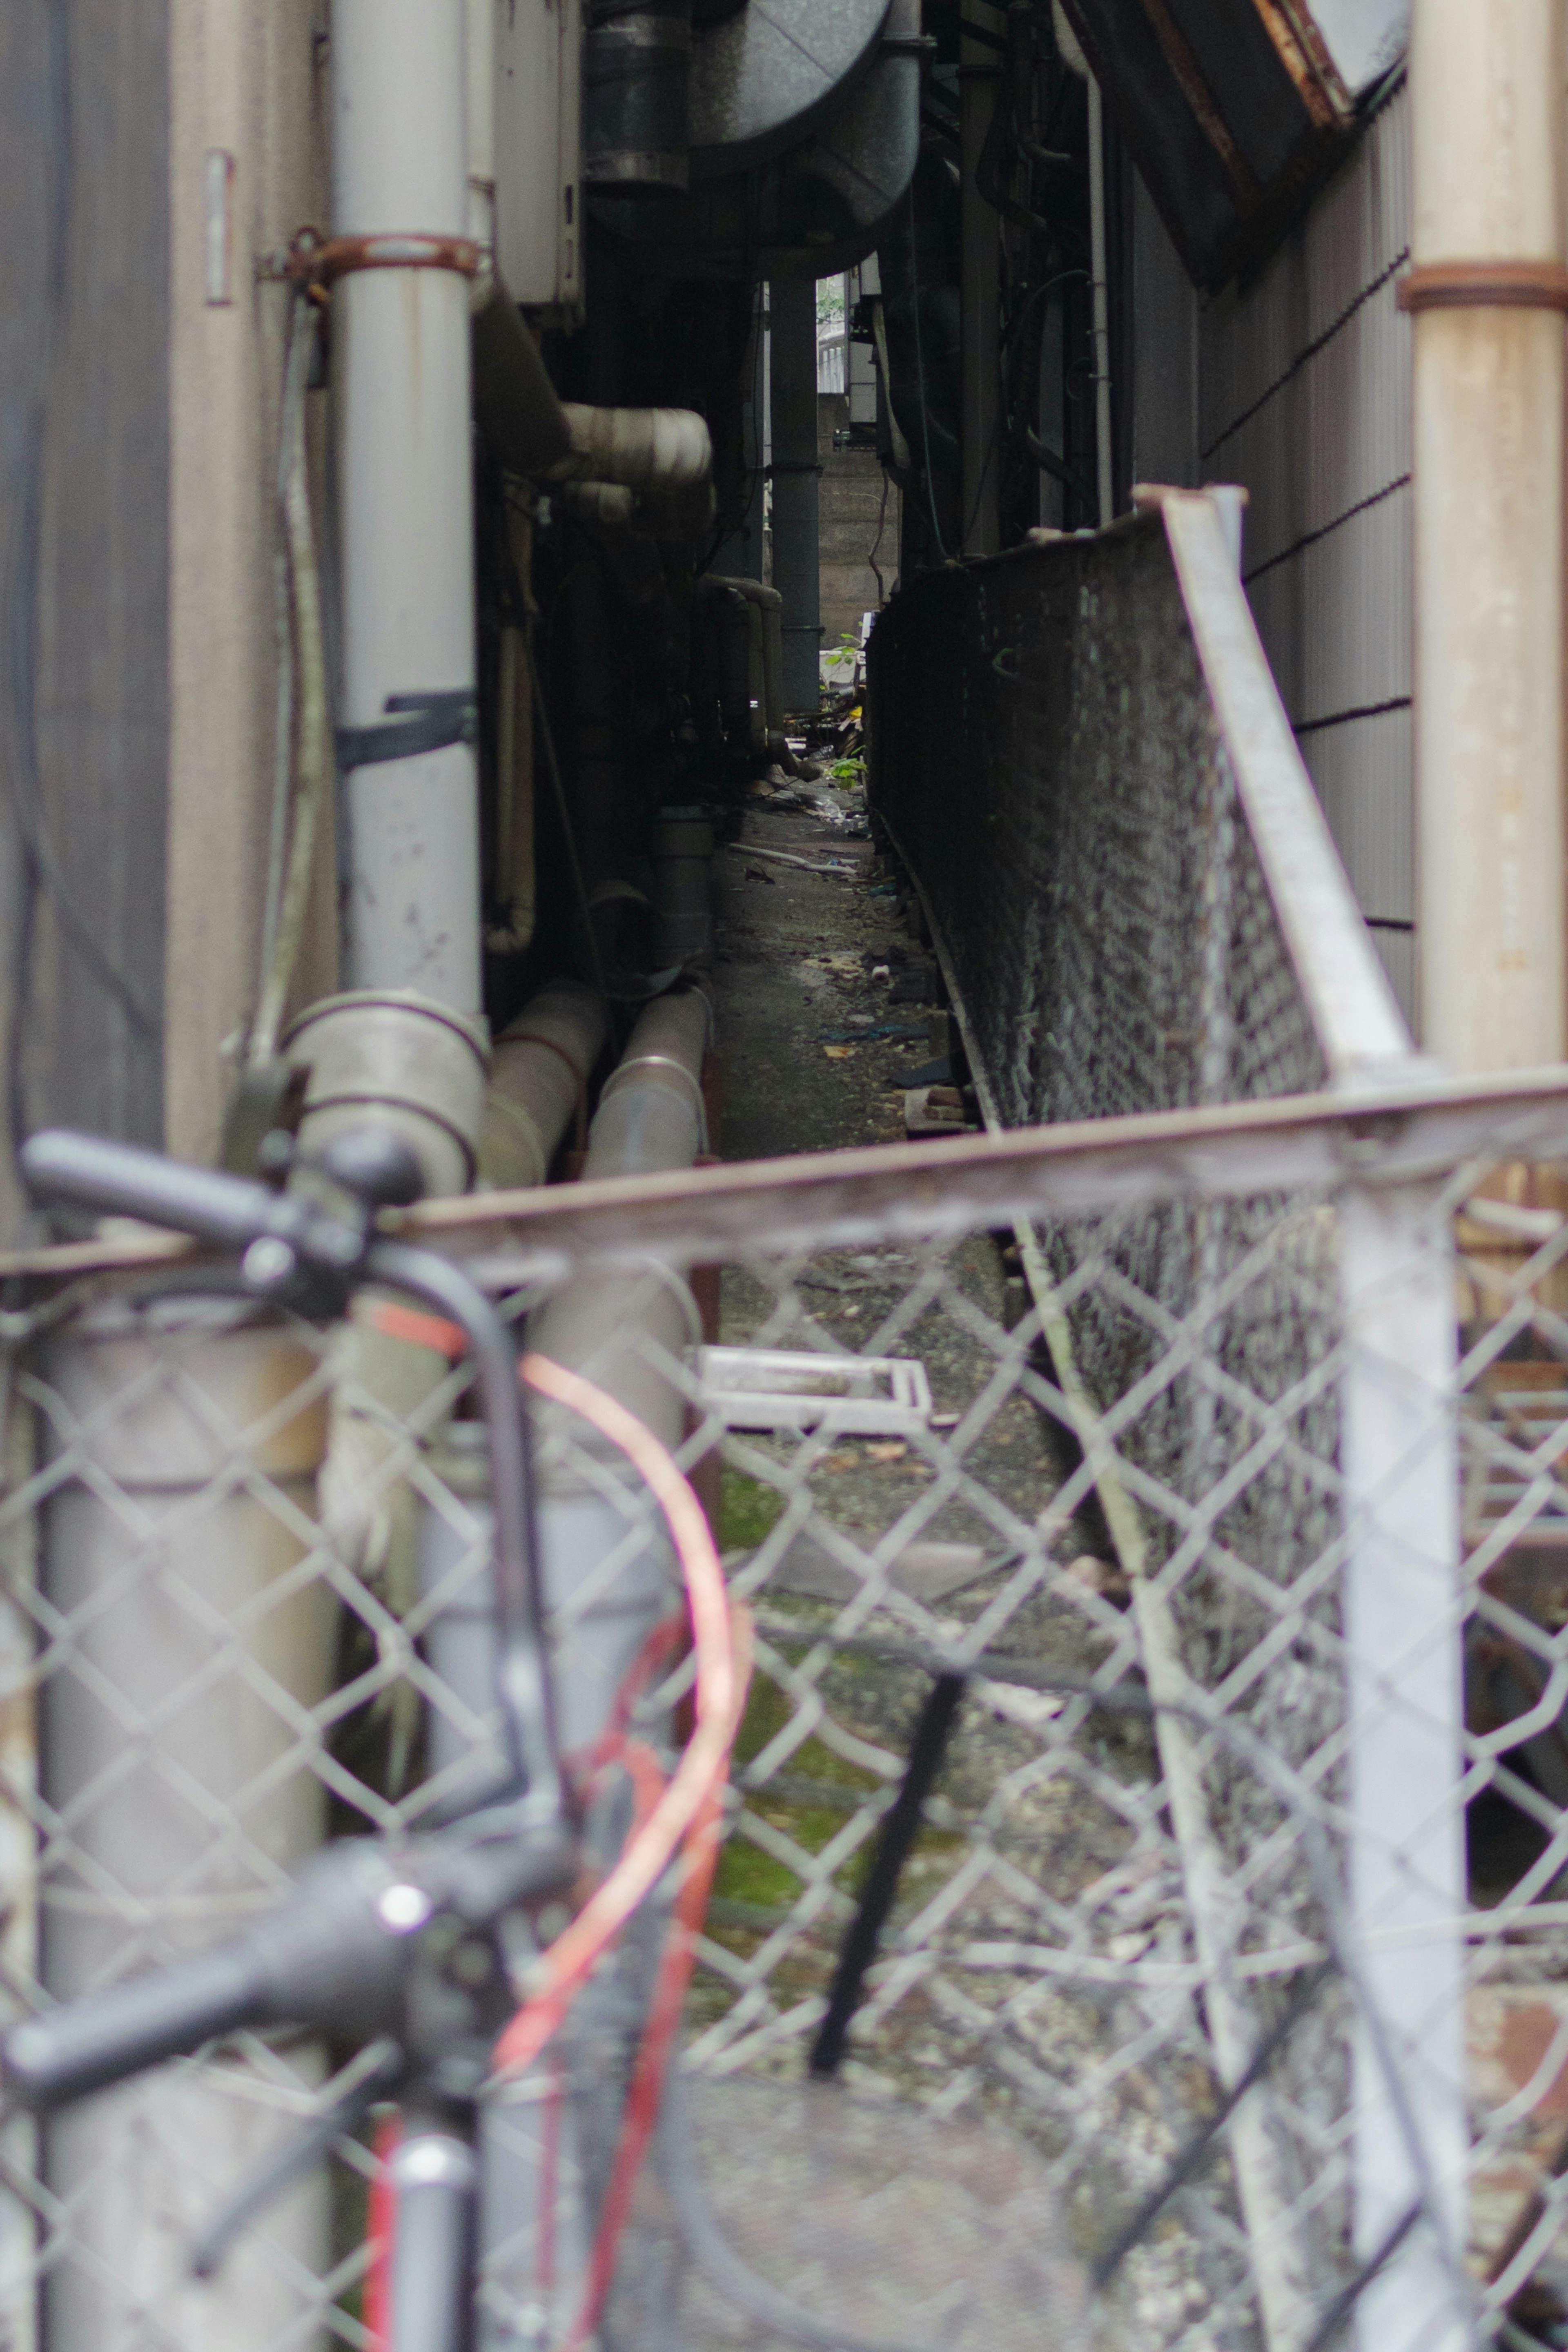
(560, 1971)
(684, 1817)
(380, 2229)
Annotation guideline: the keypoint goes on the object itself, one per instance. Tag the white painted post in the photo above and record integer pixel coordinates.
(1402, 1625)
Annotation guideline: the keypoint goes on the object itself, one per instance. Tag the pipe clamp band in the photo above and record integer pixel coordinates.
(435, 721)
(321, 262)
(1485, 286)
(662, 1062)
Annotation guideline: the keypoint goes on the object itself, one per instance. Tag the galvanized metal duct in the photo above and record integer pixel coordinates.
(762, 79)
(636, 103)
(825, 203)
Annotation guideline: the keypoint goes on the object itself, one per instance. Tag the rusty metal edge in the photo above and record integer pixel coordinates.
(1391, 1134)
(1357, 1018)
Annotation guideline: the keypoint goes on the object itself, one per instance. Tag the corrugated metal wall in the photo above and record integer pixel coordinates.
(1303, 395)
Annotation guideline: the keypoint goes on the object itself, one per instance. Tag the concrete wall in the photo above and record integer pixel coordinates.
(84, 474)
(850, 507)
(253, 83)
(1299, 387)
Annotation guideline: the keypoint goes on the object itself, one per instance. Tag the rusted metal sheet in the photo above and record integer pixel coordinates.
(1235, 111)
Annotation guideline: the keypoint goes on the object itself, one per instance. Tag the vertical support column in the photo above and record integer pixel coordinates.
(740, 557)
(793, 305)
(980, 301)
(179, 1791)
(1487, 290)
(1104, 478)
(1404, 1628)
(400, 169)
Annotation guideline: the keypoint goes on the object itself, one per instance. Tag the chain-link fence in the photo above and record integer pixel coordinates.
(1137, 1918)
(1154, 1863)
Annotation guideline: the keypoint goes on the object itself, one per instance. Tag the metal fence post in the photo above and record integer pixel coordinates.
(1404, 1630)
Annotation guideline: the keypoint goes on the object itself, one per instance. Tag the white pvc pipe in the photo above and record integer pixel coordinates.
(1488, 108)
(1403, 1617)
(401, 364)
(479, 35)
(182, 1795)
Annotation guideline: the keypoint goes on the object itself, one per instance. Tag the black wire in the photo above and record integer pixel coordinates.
(1008, 354)
(1343, 2304)
(1195, 2155)
(920, 375)
(877, 543)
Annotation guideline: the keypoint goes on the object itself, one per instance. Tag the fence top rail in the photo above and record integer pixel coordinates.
(1393, 1134)
(1354, 1008)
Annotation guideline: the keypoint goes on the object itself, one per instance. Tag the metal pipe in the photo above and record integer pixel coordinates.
(979, 303)
(771, 604)
(167, 1735)
(666, 453)
(1487, 112)
(795, 470)
(401, 362)
(1103, 476)
(609, 1580)
(538, 1078)
(636, 104)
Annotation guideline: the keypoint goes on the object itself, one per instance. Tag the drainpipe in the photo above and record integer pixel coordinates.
(1487, 292)
(179, 1797)
(539, 1081)
(795, 470)
(401, 172)
(610, 1582)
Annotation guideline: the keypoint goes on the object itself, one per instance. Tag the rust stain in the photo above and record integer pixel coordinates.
(1522, 2046)
(1200, 98)
(1308, 65)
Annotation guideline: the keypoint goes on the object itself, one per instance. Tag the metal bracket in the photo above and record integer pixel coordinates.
(451, 716)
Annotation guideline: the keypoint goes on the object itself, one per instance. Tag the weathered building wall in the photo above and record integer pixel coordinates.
(84, 473)
(1298, 386)
(254, 83)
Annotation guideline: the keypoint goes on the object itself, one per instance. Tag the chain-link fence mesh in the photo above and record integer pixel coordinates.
(246, 1566)
(1091, 1958)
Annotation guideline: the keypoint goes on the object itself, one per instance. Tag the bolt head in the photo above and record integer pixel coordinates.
(402, 1908)
(268, 1263)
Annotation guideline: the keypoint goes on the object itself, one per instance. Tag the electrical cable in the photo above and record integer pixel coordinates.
(311, 759)
(877, 543)
(920, 375)
(1055, 466)
(283, 702)
(560, 1972)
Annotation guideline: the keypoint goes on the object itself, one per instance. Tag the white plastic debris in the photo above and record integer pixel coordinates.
(776, 1387)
